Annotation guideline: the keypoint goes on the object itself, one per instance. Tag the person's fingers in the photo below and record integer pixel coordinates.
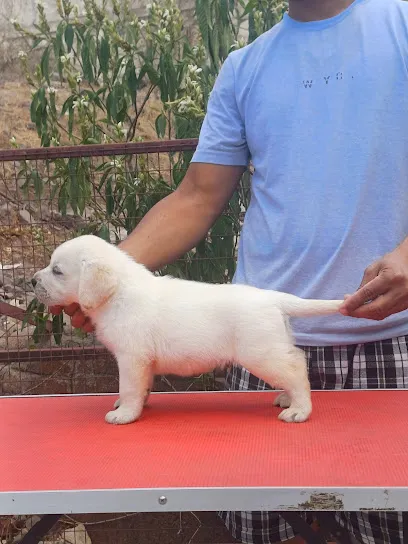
(381, 308)
(370, 273)
(78, 319)
(56, 310)
(369, 292)
(87, 326)
(71, 309)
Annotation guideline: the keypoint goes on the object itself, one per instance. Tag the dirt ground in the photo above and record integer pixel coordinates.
(15, 99)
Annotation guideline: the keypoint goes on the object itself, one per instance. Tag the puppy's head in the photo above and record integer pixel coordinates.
(82, 271)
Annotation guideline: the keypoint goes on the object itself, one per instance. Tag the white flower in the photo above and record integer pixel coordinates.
(194, 70)
(81, 102)
(239, 44)
(51, 90)
(167, 37)
(22, 55)
(78, 78)
(13, 21)
(116, 163)
(66, 58)
(185, 104)
(13, 140)
(142, 24)
(121, 128)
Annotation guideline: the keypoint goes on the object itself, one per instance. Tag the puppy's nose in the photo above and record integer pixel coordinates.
(33, 282)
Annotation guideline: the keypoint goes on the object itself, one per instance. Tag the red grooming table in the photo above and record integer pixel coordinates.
(204, 451)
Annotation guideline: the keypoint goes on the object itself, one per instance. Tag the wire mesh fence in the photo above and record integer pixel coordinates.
(128, 528)
(49, 195)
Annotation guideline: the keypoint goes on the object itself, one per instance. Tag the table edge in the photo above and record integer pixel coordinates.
(92, 501)
(222, 392)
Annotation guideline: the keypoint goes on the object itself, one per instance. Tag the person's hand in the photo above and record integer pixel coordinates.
(78, 319)
(383, 290)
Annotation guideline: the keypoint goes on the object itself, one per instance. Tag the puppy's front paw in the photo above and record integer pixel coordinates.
(117, 402)
(122, 415)
(282, 400)
(297, 414)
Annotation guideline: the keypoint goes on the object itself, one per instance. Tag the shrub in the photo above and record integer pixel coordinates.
(111, 65)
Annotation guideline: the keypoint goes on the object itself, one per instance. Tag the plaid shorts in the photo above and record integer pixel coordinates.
(376, 365)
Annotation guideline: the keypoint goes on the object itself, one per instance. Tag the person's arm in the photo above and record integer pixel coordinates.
(384, 288)
(176, 224)
(180, 221)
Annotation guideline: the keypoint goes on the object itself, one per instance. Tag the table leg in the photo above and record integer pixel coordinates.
(329, 524)
(405, 525)
(299, 525)
(40, 529)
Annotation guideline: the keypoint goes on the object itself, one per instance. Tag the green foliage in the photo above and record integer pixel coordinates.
(113, 64)
(37, 316)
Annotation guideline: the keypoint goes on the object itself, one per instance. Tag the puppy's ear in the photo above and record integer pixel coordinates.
(97, 284)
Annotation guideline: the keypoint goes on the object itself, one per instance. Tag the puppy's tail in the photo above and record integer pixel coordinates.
(300, 307)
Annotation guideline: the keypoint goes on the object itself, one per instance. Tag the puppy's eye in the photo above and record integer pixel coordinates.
(56, 271)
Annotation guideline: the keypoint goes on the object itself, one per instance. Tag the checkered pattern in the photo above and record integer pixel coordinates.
(376, 365)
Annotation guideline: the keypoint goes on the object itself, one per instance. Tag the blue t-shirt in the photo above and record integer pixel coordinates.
(321, 110)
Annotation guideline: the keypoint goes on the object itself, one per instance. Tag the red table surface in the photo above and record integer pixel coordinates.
(204, 440)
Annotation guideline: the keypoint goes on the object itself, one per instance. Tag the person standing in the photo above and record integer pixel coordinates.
(319, 104)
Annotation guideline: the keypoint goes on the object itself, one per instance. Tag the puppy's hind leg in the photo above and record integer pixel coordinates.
(293, 378)
(134, 382)
(149, 389)
(288, 370)
(282, 400)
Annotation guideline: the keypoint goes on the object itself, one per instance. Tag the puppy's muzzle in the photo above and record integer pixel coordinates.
(35, 279)
(37, 285)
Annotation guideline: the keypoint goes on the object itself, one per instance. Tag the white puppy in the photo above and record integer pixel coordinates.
(161, 325)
